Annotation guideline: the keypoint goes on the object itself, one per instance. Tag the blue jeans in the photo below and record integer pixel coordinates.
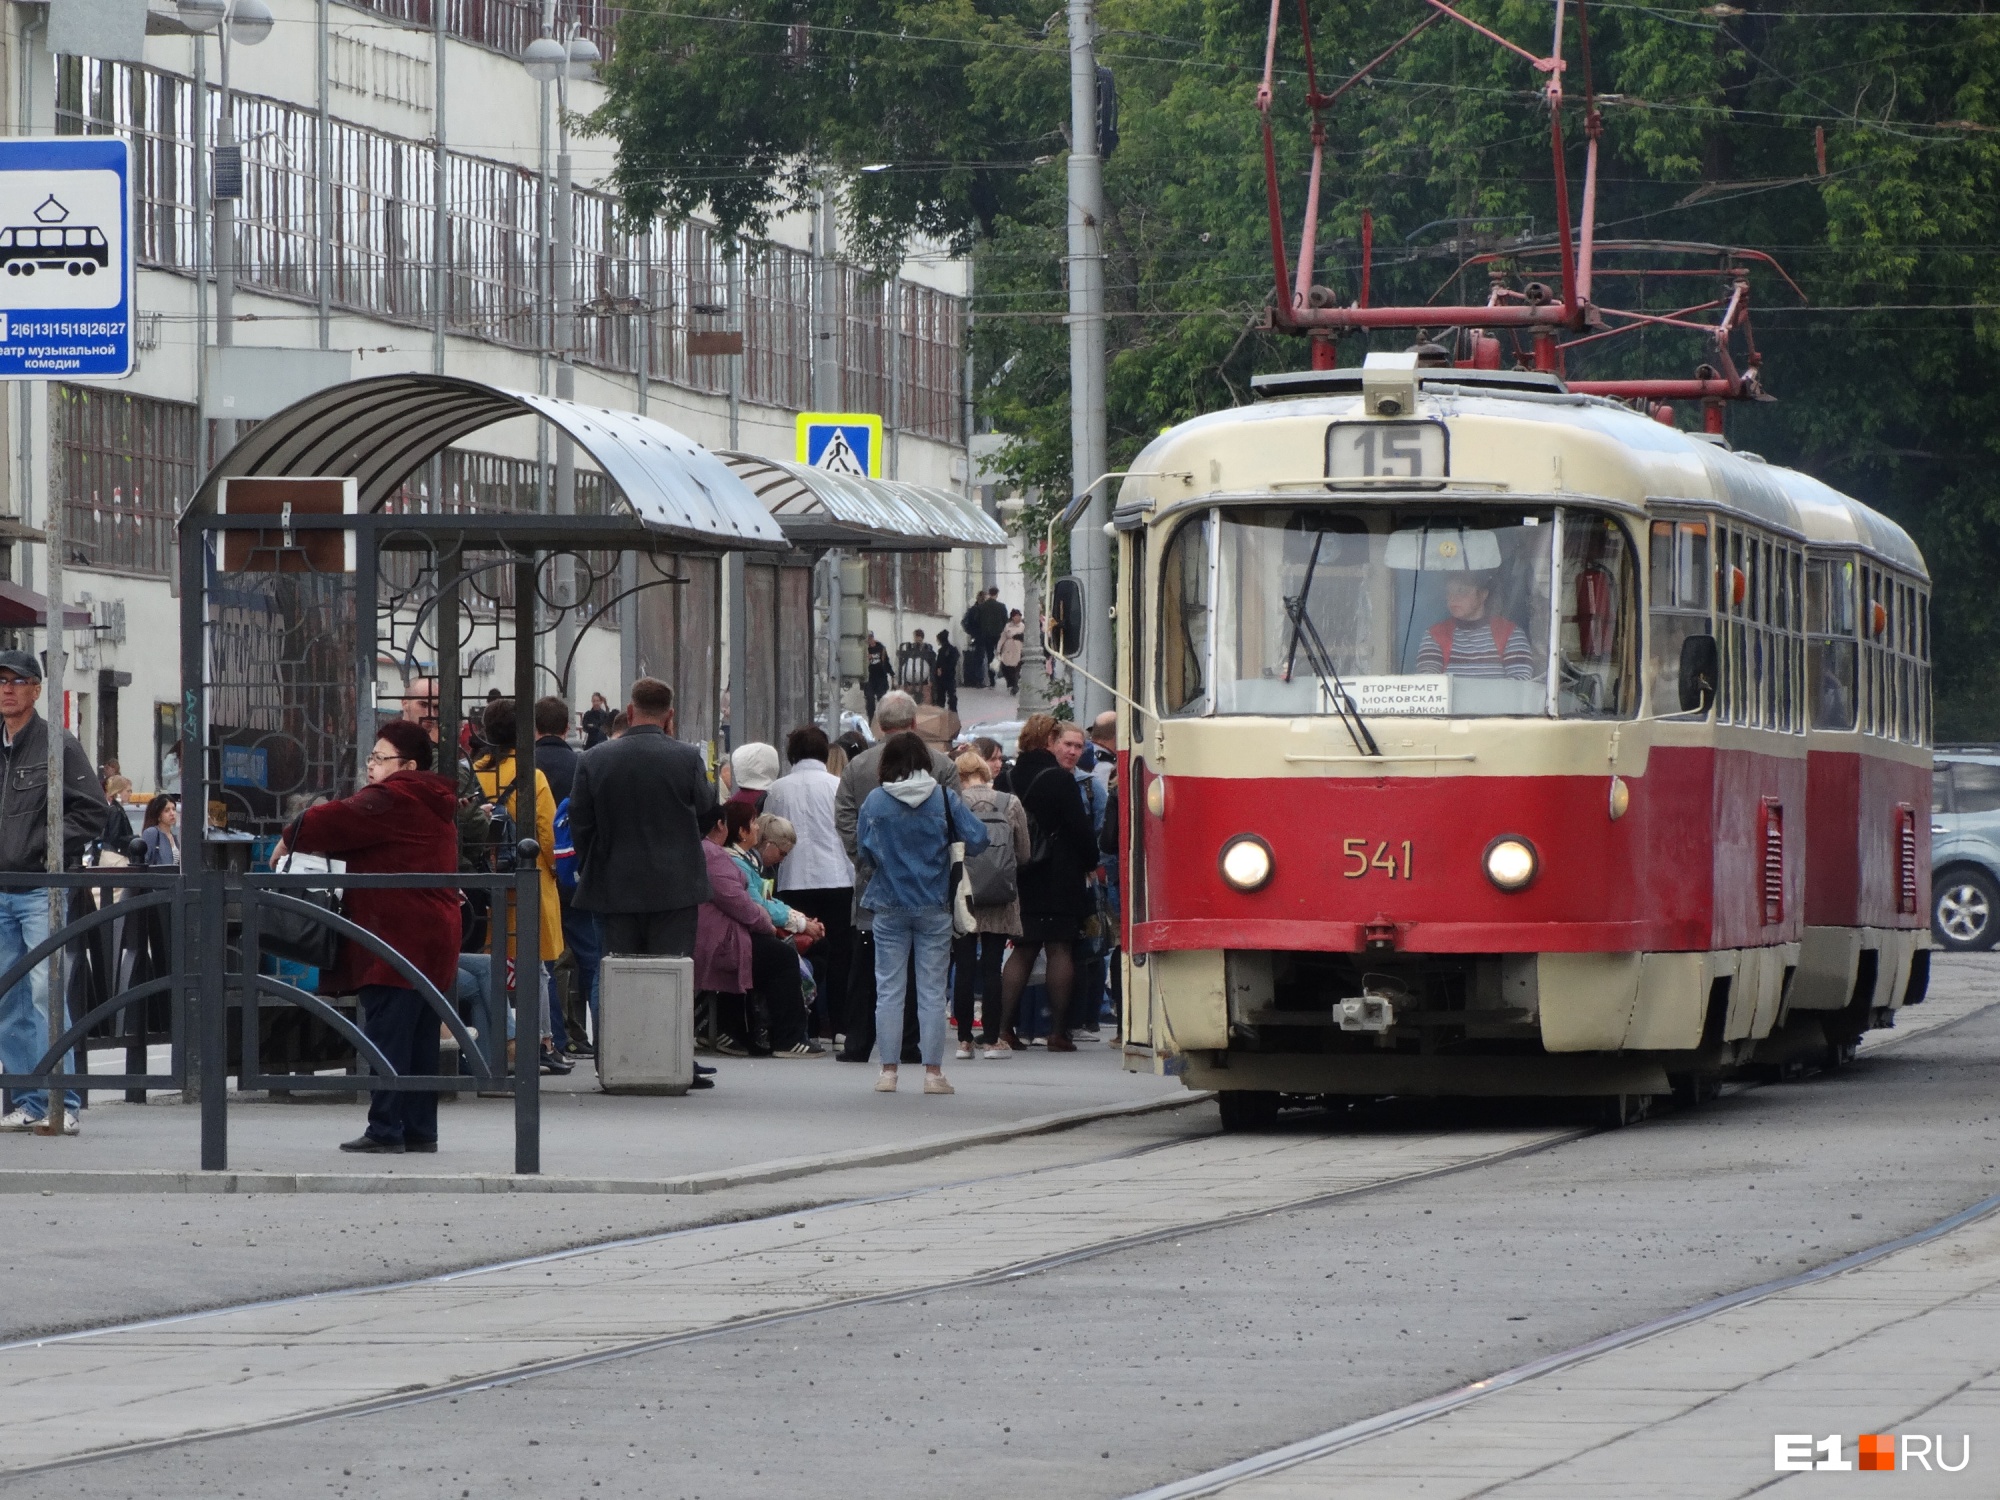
(24, 1009)
(899, 934)
(580, 936)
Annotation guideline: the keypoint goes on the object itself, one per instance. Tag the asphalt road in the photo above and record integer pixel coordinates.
(1119, 1372)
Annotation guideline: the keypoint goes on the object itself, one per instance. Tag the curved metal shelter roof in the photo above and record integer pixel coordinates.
(818, 507)
(382, 429)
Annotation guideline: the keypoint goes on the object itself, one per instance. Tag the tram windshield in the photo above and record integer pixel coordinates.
(1417, 612)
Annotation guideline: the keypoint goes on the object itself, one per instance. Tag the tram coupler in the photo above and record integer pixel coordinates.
(1366, 1012)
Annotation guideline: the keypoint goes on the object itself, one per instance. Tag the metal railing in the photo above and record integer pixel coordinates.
(214, 925)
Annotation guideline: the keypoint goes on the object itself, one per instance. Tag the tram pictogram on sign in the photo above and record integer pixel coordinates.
(65, 258)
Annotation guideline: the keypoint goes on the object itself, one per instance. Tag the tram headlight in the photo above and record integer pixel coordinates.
(1511, 863)
(1246, 863)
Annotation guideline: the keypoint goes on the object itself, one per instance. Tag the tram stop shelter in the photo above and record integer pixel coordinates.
(313, 552)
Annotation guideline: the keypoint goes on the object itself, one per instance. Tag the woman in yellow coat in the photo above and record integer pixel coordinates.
(495, 770)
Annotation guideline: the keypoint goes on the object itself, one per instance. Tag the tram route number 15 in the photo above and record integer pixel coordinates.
(1386, 450)
(1382, 859)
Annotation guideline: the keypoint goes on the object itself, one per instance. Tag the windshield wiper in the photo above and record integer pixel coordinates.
(1305, 633)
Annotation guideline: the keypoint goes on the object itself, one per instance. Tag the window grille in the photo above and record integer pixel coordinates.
(382, 243)
(504, 25)
(124, 466)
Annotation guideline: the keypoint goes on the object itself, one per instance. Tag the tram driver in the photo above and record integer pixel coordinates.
(1472, 641)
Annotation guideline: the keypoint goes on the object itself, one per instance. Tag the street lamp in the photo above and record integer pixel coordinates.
(552, 60)
(246, 22)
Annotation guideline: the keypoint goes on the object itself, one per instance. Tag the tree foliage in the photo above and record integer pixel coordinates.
(1715, 116)
(746, 108)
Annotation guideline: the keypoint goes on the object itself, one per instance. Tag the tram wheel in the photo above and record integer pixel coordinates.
(1615, 1111)
(1841, 1046)
(1248, 1109)
(1691, 1089)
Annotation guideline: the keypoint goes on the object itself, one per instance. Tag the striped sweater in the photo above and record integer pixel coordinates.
(1492, 647)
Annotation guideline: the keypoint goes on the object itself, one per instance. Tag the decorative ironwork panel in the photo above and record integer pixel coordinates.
(282, 701)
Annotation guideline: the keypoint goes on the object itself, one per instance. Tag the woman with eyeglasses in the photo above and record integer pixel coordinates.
(402, 821)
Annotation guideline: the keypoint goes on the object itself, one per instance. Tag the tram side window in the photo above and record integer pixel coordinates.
(1679, 570)
(1599, 640)
(1732, 589)
(1830, 645)
(1185, 618)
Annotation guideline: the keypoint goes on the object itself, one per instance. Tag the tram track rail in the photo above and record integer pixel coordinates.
(997, 1276)
(1215, 1481)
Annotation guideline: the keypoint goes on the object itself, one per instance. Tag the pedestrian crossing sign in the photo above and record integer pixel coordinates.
(841, 442)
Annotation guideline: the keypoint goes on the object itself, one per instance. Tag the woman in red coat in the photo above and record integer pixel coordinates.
(401, 822)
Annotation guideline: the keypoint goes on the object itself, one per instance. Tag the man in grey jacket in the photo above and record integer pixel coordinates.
(24, 849)
(897, 712)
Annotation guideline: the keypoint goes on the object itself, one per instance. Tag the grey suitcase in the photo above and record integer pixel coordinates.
(645, 1042)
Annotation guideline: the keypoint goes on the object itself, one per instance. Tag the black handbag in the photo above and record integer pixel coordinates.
(289, 934)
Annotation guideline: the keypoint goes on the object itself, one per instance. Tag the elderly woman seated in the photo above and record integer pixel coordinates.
(739, 949)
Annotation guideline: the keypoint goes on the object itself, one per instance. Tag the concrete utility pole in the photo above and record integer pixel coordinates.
(1090, 548)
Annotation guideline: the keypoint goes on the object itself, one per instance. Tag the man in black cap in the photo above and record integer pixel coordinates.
(24, 847)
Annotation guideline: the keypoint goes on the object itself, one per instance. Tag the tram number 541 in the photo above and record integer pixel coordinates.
(1383, 859)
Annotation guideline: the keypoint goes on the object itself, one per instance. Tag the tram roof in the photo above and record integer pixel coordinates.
(382, 429)
(1639, 461)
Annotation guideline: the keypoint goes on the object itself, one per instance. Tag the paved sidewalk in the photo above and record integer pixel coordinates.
(762, 1111)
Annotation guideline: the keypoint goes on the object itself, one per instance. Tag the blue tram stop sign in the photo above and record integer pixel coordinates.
(65, 258)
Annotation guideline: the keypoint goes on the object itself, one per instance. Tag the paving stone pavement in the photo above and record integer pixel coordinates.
(231, 1369)
(1909, 1343)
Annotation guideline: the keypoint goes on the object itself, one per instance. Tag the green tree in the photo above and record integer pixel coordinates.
(1714, 120)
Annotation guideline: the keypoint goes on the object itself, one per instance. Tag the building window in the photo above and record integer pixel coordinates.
(923, 581)
(124, 466)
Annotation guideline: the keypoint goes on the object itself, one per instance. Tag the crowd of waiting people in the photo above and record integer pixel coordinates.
(864, 899)
(867, 899)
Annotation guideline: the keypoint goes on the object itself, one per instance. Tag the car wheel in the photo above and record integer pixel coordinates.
(1964, 904)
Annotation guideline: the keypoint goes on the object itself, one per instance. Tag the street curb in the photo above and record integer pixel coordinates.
(168, 1180)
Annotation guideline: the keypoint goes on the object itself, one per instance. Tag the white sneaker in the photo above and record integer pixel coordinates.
(71, 1124)
(965, 1051)
(998, 1049)
(17, 1120)
(937, 1083)
(885, 1081)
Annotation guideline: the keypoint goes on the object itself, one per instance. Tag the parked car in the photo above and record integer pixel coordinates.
(1965, 848)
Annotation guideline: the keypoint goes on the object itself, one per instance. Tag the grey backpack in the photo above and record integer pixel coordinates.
(995, 878)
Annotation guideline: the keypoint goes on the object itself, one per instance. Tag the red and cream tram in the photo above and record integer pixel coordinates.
(1485, 738)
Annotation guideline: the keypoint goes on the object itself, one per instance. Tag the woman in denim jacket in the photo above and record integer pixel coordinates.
(904, 828)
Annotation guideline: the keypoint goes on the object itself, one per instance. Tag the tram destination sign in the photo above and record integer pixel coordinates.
(66, 286)
(1413, 696)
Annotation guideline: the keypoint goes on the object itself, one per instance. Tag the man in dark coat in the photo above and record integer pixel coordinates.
(945, 683)
(992, 625)
(24, 847)
(554, 757)
(863, 774)
(634, 812)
